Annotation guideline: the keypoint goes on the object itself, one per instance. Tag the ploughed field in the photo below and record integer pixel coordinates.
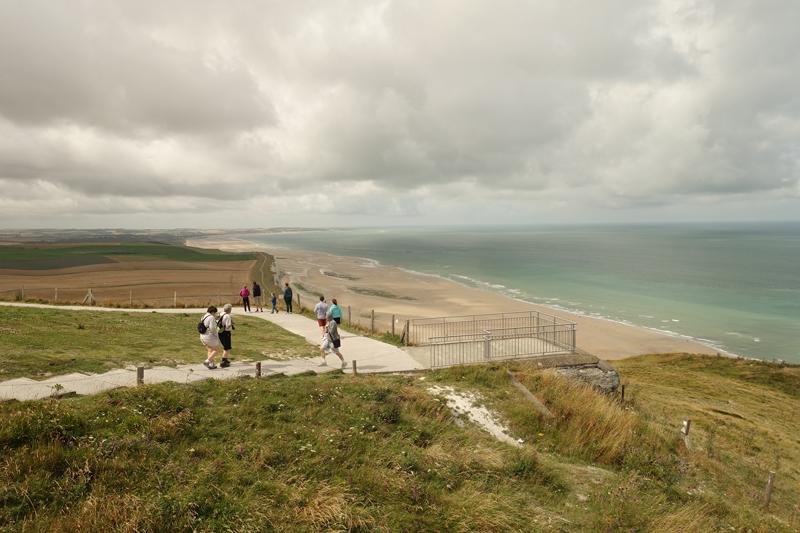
(149, 274)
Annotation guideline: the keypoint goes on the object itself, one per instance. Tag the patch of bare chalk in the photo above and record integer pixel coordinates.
(467, 404)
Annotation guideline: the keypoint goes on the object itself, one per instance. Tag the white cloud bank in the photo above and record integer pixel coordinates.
(242, 113)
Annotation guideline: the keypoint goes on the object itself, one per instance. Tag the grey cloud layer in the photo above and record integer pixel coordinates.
(142, 107)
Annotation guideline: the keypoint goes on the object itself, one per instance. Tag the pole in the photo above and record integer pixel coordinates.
(348, 316)
(392, 326)
(139, 376)
(219, 298)
(355, 368)
(23, 293)
(131, 300)
(687, 423)
(372, 323)
(56, 295)
(408, 332)
(258, 369)
(771, 482)
(175, 300)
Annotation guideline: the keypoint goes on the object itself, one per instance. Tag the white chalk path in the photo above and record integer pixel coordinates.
(371, 355)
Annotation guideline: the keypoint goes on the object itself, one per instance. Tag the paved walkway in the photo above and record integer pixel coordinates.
(370, 355)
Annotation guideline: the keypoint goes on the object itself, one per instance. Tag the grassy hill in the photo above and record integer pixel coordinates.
(43, 342)
(384, 453)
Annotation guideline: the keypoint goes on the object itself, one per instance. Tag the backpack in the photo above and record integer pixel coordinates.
(220, 325)
(201, 326)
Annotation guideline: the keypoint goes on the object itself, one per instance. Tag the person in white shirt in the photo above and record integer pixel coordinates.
(332, 342)
(210, 338)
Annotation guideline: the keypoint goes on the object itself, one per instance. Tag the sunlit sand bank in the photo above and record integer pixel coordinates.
(365, 285)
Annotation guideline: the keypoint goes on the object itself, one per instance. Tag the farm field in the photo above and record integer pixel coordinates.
(133, 274)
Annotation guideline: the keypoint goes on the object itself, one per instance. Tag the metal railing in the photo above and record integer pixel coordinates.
(422, 330)
(543, 335)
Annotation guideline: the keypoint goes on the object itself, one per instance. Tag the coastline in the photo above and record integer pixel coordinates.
(366, 285)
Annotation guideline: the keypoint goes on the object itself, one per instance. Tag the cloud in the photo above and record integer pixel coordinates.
(394, 109)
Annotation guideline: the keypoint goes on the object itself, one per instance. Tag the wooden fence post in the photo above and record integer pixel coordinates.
(219, 298)
(349, 317)
(131, 300)
(393, 326)
(56, 295)
(299, 305)
(372, 323)
(687, 423)
(23, 293)
(768, 494)
(408, 332)
(355, 368)
(175, 300)
(89, 298)
(258, 369)
(139, 376)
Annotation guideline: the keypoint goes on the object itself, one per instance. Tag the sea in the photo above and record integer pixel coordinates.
(732, 286)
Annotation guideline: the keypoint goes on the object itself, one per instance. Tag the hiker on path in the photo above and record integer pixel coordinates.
(336, 311)
(273, 300)
(287, 297)
(321, 310)
(245, 294)
(210, 338)
(257, 296)
(332, 342)
(225, 326)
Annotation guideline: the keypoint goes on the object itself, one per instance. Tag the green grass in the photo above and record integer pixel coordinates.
(299, 454)
(368, 453)
(381, 453)
(44, 257)
(39, 342)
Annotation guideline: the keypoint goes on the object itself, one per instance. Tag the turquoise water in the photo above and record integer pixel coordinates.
(733, 286)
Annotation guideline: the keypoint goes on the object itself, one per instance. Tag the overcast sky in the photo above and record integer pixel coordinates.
(197, 113)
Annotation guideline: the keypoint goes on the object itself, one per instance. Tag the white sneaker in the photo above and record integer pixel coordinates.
(323, 363)
(344, 364)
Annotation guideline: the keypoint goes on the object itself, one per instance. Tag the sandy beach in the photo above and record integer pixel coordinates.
(365, 285)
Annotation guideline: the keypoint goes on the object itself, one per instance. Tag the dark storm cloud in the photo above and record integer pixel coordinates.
(391, 108)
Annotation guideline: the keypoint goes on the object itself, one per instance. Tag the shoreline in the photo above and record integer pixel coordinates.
(402, 293)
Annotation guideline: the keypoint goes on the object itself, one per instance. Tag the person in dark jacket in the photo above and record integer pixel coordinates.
(257, 297)
(287, 298)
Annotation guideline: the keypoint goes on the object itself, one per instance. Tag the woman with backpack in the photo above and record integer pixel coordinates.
(209, 337)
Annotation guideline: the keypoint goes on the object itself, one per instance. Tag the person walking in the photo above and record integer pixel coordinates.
(245, 294)
(287, 298)
(332, 342)
(336, 311)
(321, 310)
(225, 327)
(257, 297)
(210, 338)
(273, 300)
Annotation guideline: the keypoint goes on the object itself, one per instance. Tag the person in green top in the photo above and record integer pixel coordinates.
(336, 311)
